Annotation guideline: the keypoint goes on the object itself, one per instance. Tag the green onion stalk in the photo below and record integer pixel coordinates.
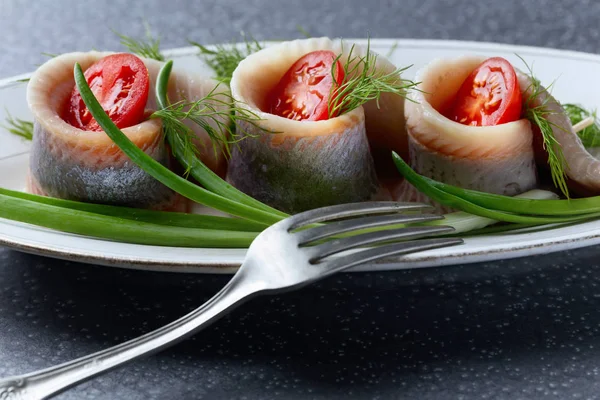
(502, 208)
(117, 229)
(193, 165)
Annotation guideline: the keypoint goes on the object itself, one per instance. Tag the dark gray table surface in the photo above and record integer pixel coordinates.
(515, 329)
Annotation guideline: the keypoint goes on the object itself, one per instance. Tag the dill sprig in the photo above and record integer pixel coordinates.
(203, 113)
(590, 136)
(49, 55)
(215, 113)
(224, 58)
(392, 49)
(18, 127)
(303, 31)
(148, 47)
(363, 82)
(538, 115)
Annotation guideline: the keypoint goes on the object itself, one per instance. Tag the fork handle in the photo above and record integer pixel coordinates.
(48, 382)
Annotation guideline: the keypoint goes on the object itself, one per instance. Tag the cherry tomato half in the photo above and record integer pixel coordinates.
(489, 96)
(121, 83)
(303, 91)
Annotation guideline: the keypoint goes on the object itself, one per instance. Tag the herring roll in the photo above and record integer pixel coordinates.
(85, 165)
(495, 159)
(294, 164)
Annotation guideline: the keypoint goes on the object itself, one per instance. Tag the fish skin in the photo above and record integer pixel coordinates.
(296, 174)
(69, 163)
(494, 159)
(120, 183)
(309, 152)
(502, 175)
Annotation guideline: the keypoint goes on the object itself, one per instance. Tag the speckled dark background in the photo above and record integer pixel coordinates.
(516, 329)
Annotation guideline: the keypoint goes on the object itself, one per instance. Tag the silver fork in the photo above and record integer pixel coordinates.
(281, 258)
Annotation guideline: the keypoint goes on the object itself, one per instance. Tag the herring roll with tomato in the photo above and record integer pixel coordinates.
(465, 128)
(302, 154)
(72, 158)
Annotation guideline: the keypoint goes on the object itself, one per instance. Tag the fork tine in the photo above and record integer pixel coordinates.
(373, 254)
(349, 210)
(334, 228)
(339, 245)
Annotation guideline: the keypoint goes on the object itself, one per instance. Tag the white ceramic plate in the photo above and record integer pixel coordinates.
(577, 80)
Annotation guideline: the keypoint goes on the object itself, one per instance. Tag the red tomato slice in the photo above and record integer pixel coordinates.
(121, 83)
(489, 96)
(303, 91)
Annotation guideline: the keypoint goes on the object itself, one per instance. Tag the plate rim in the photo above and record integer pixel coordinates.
(228, 267)
(399, 42)
(417, 261)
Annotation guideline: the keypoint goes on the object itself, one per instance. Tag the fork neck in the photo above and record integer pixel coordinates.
(51, 381)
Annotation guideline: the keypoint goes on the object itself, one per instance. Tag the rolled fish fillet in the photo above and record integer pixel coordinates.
(298, 165)
(70, 163)
(495, 159)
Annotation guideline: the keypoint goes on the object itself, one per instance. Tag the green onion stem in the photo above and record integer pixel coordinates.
(197, 168)
(423, 184)
(159, 171)
(570, 207)
(117, 229)
(136, 214)
(493, 229)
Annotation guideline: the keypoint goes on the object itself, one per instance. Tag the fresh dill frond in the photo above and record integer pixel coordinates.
(201, 113)
(49, 55)
(538, 115)
(18, 127)
(303, 31)
(213, 113)
(224, 58)
(392, 49)
(148, 47)
(590, 136)
(556, 158)
(363, 82)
